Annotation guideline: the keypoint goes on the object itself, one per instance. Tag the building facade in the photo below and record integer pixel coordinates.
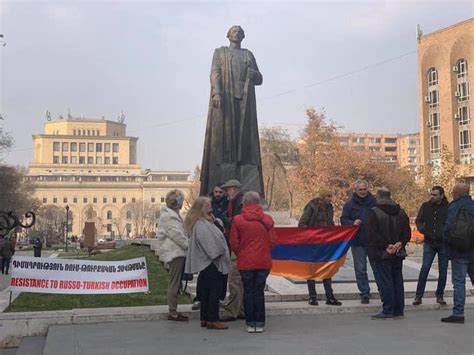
(408, 149)
(445, 63)
(90, 165)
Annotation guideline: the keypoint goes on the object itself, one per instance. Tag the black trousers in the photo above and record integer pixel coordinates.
(5, 265)
(211, 285)
(222, 293)
(327, 288)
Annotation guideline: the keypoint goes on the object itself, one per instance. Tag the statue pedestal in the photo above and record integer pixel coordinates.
(282, 218)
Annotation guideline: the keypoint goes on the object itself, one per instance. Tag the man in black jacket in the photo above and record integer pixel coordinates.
(319, 212)
(388, 233)
(430, 222)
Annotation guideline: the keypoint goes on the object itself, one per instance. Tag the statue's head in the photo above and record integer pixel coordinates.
(236, 34)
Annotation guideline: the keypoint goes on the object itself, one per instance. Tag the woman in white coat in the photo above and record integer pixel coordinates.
(172, 248)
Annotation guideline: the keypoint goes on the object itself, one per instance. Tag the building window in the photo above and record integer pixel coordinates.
(390, 140)
(83, 132)
(434, 98)
(45, 200)
(114, 199)
(82, 160)
(115, 160)
(109, 214)
(124, 200)
(434, 144)
(79, 132)
(109, 228)
(55, 159)
(465, 139)
(90, 147)
(84, 199)
(107, 147)
(107, 160)
(104, 199)
(90, 160)
(152, 200)
(73, 160)
(463, 91)
(64, 199)
(82, 147)
(434, 121)
(73, 147)
(134, 200)
(73, 132)
(98, 133)
(390, 149)
(88, 132)
(115, 147)
(461, 67)
(432, 77)
(56, 146)
(98, 147)
(129, 228)
(74, 200)
(65, 146)
(463, 113)
(55, 200)
(94, 199)
(162, 200)
(129, 214)
(64, 160)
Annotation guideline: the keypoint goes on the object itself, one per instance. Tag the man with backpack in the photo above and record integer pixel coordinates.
(459, 240)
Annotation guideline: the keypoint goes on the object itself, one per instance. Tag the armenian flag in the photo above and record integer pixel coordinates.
(311, 253)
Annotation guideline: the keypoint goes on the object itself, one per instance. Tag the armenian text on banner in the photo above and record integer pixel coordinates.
(69, 276)
(311, 253)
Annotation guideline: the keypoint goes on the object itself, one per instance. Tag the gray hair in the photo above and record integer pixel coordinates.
(251, 198)
(174, 199)
(361, 182)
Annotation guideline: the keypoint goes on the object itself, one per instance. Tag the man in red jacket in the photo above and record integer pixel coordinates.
(251, 239)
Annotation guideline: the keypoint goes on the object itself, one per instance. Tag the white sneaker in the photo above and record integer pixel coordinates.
(250, 329)
(258, 329)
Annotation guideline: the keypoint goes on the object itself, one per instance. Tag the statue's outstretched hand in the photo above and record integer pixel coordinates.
(217, 101)
(252, 73)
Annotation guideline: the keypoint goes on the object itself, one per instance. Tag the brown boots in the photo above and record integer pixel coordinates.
(216, 325)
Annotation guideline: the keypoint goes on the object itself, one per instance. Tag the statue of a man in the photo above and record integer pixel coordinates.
(232, 147)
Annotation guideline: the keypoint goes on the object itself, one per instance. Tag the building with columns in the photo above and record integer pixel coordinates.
(90, 165)
(445, 71)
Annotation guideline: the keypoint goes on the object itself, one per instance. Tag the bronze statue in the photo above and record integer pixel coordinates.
(232, 147)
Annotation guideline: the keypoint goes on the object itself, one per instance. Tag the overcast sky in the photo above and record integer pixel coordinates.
(152, 59)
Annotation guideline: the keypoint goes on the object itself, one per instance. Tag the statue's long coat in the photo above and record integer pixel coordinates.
(232, 146)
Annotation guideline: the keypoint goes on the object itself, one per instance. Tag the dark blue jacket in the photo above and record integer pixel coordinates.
(358, 208)
(219, 209)
(468, 204)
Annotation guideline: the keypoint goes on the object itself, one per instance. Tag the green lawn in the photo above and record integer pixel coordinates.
(157, 278)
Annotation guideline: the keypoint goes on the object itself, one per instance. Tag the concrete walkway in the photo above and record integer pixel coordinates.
(418, 333)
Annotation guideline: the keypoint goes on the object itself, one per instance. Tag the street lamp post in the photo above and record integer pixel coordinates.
(67, 224)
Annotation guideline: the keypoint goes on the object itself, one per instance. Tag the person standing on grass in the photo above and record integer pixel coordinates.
(209, 255)
(172, 248)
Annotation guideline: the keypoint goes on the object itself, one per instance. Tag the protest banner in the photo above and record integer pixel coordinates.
(69, 276)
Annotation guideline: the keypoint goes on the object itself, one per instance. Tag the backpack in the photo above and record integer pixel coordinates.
(461, 234)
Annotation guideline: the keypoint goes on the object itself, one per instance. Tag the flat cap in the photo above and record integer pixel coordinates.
(232, 183)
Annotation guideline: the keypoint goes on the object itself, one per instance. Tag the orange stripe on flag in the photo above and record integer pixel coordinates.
(306, 271)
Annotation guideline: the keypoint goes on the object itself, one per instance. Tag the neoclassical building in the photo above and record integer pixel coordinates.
(445, 71)
(90, 165)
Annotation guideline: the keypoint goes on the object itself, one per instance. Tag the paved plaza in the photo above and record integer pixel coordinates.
(418, 333)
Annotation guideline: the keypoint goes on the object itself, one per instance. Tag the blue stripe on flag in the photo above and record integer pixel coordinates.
(311, 252)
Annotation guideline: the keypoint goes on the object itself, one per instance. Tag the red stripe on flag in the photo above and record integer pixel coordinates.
(318, 235)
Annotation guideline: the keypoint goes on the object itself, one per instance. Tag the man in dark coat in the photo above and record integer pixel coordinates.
(232, 146)
(234, 308)
(319, 212)
(37, 246)
(461, 261)
(355, 212)
(430, 222)
(388, 228)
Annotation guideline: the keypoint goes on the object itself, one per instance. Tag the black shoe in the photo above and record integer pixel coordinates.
(441, 301)
(453, 319)
(417, 301)
(332, 301)
(227, 319)
(365, 300)
(313, 302)
(382, 315)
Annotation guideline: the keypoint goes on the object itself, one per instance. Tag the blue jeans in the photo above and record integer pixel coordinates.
(254, 299)
(429, 253)
(459, 269)
(359, 254)
(390, 282)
